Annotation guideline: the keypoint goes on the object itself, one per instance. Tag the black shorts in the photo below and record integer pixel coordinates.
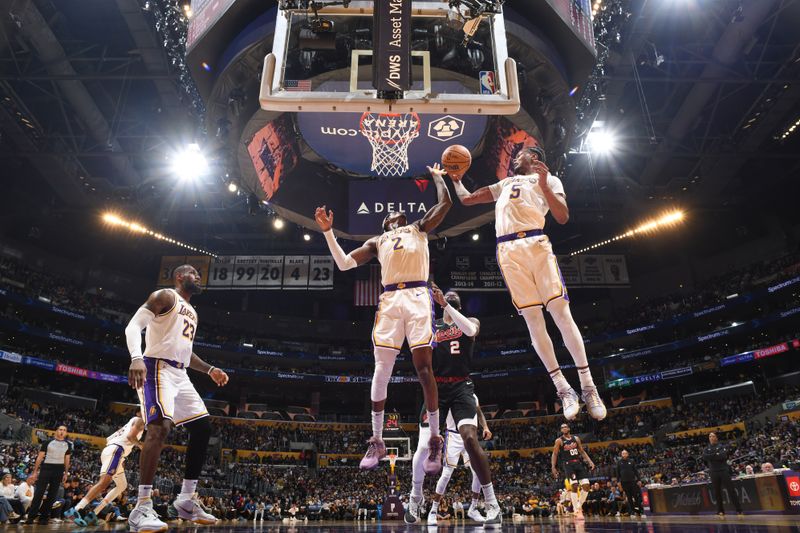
(576, 471)
(456, 397)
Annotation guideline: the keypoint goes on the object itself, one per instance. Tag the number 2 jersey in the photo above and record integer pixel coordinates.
(403, 255)
(452, 357)
(170, 335)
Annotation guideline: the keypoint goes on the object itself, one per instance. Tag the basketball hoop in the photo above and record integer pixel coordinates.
(392, 461)
(390, 134)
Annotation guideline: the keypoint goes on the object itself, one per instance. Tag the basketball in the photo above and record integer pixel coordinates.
(456, 160)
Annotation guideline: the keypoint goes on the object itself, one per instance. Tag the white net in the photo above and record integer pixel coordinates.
(390, 135)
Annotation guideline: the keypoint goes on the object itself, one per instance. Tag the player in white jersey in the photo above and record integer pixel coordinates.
(167, 396)
(530, 270)
(112, 468)
(405, 311)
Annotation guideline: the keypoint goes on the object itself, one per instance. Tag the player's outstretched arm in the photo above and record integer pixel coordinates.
(481, 196)
(470, 326)
(583, 453)
(487, 433)
(217, 374)
(436, 214)
(357, 257)
(156, 303)
(554, 457)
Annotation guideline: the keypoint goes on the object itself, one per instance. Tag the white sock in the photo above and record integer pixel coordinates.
(585, 376)
(582, 497)
(416, 490)
(576, 505)
(474, 504)
(81, 504)
(434, 507)
(377, 424)
(144, 494)
(188, 489)
(559, 380)
(488, 494)
(433, 422)
(418, 463)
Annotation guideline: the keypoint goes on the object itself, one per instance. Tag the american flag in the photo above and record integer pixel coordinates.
(297, 85)
(367, 291)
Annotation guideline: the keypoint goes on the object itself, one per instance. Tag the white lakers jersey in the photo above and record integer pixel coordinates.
(120, 437)
(521, 205)
(171, 334)
(403, 254)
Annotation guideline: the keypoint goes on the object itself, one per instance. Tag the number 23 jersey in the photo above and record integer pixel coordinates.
(171, 334)
(453, 354)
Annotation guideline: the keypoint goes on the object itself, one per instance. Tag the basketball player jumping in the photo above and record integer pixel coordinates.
(530, 270)
(167, 396)
(405, 310)
(112, 468)
(572, 455)
(455, 338)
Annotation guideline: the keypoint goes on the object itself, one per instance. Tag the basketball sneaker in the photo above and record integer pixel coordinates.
(76, 517)
(594, 404)
(144, 519)
(432, 464)
(376, 451)
(189, 509)
(570, 403)
(476, 515)
(412, 513)
(494, 517)
(578, 515)
(433, 519)
(91, 518)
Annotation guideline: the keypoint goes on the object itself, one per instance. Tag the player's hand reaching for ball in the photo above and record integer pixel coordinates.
(436, 171)
(137, 373)
(219, 376)
(324, 218)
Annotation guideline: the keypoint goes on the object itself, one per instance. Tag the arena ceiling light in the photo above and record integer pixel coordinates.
(116, 221)
(665, 221)
(278, 223)
(190, 163)
(601, 142)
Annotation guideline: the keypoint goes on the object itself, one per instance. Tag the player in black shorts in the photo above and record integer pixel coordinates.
(452, 357)
(569, 450)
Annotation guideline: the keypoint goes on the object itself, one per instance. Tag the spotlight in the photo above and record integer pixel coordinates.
(306, 237)
(601, 142)
(476, 236)
(278, 223)
(190, 163)
(232, 187)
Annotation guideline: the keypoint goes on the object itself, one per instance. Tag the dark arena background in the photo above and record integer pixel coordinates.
(138, 136)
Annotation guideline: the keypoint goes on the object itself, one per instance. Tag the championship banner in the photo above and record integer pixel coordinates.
(482, 273)
(391, 67)
(271, 272)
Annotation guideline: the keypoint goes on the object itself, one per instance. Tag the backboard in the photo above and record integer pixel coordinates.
(323, 56)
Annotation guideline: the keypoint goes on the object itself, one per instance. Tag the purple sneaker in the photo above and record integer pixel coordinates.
(433, 463)
(375, 452)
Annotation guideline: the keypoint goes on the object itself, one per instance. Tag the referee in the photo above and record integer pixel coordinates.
(628, 476)
(49, 472)
(716, 457)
